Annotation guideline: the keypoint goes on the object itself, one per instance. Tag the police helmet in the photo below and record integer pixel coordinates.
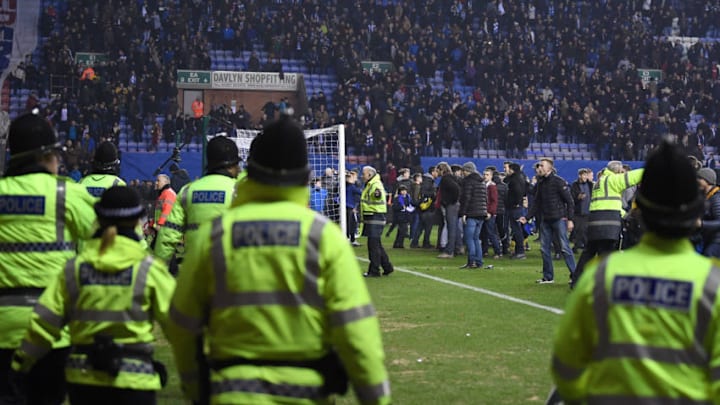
(106, 158)
(221, 152)
(119, 203)
(278, 155)
(669, 199)
(31, 136)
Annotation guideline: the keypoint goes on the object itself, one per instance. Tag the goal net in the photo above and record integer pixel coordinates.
(326, 156)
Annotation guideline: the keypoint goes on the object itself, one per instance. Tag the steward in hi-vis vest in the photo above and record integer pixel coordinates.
(106, 166)
(109, 296)
(42, 217)
(276, 291)
(642, 326)
(373, 207)
(202, 200)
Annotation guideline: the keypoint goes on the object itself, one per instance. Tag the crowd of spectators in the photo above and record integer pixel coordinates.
(510, 72)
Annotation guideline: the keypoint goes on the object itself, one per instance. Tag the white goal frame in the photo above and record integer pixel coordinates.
(318, 159)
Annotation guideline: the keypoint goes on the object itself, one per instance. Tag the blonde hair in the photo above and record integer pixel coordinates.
(108, 238)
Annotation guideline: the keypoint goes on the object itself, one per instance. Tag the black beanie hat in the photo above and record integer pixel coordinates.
(669, 199)
(29, 135)
(278, 155)
(221, 152)
(120, 203)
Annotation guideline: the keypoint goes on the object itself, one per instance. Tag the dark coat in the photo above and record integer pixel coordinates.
(575, 190)
(517, 190)
(711, 220)
(473, 196)
(502, 191)
(552, 200)
(449, 190)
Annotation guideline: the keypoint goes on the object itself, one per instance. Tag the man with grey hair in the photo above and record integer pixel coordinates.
(373, 207)
(606, 212)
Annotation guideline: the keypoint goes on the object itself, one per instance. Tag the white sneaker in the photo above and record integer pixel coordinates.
(543, 281)
(356, 243)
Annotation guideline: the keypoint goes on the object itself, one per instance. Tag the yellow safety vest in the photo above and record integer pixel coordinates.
(641, 327)
(271, 280)
(42, 217)
(119, 294)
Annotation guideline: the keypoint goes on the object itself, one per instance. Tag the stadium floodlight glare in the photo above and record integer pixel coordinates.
(326, 149)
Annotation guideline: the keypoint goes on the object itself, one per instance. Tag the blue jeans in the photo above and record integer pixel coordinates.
(472, 229)
(490, 235)
(548, 231)
(451, 220)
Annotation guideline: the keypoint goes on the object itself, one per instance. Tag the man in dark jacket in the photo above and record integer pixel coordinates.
(426, 208)
(449, 190)
(710, 224)
(553, 208)
(516, 192)
(581, 190)
(473, 212)
(178, 177)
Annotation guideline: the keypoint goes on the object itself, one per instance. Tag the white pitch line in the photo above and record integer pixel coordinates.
(477, 289)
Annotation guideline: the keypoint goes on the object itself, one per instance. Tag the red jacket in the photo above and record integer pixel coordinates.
(492, 198)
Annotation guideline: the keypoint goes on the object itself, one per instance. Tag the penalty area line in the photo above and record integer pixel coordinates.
(505, 297)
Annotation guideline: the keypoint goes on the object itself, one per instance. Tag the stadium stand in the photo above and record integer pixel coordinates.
(507, 79)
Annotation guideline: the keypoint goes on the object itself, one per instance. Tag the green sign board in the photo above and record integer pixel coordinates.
(193, 78)
(376, 66)
(647, 74)
(90, 58)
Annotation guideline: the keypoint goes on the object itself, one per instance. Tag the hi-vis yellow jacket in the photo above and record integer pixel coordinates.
(272, 280)
(118, 294)
(96, 184)
(42, 217)
(642, 327)
(197, 202)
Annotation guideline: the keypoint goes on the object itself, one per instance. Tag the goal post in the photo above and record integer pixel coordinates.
(326, 150)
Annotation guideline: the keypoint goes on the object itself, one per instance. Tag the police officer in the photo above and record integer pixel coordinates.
(106, 166)
(42, 216)
(110, 295)
(606, 212)
(641, 326)
(202, 199)
(373, 207)
(278, 290)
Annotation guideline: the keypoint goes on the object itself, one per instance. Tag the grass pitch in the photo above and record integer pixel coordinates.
(447, 341)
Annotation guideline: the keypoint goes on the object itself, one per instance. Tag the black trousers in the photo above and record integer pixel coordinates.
(45, 382)
(92, 395)
(378, 257)
(351, 220)
(427, 220)
(579, 233)
(501, 222)
(402, 234)
(592, 249)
